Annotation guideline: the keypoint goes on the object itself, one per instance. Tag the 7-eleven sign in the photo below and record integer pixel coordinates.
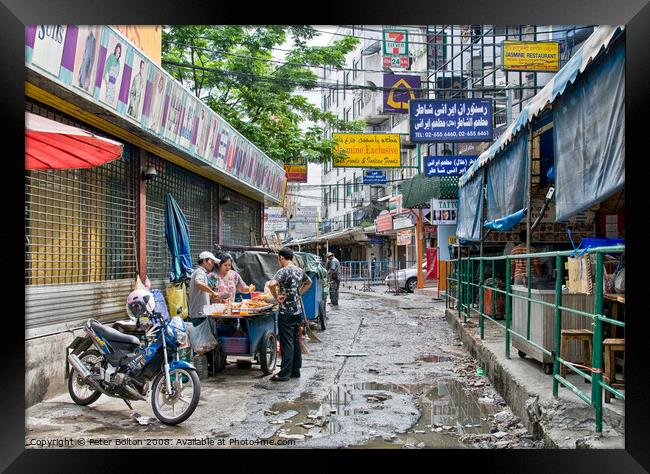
(396, 43)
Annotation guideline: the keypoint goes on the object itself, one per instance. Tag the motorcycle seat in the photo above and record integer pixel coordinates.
(113, 334)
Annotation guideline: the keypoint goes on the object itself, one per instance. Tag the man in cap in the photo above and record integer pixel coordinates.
(199, 291)
(333, 277)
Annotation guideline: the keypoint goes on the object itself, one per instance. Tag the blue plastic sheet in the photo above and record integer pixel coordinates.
(507, 180)
(506, 223)
(589, 135)
(470, 209)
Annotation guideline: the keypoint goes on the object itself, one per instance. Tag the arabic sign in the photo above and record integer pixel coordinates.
(531, 56)
(384, 222)
(368, 150)
(102, 65)
(443, 211)
(374, 176)
(404, 237)
(399, 90)
(460, 120)
(447, 165)
(296, 173)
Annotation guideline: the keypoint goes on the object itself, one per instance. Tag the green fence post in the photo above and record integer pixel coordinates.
(597, 357)
(559, 277)
(529, 266)
(481, 299)
(459, 299)
(508, 309)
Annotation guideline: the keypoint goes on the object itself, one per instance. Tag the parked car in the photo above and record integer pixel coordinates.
(406, 279)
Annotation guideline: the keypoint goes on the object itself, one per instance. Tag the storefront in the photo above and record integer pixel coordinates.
(90, 231)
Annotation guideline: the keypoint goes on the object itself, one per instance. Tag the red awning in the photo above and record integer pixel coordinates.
(51, 145)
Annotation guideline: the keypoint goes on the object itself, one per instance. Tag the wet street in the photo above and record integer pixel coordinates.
(389, 373)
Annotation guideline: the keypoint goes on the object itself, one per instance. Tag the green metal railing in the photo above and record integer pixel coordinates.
(463, 285)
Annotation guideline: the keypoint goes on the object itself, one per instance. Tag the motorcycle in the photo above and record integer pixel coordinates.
(107, 361)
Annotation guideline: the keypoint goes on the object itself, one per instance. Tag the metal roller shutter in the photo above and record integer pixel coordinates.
(197, 198)
(80, 245)
(241, 221)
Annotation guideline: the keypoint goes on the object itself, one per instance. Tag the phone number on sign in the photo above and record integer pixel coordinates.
(454, 134)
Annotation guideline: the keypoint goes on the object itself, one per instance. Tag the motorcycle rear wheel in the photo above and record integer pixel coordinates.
(161, 403)
(81, 393)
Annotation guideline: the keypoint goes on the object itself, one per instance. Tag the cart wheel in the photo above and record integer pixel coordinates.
(522, 354)
(322, 309)
(548, 369)
(322, 315)
(268, 352)
(219, 360)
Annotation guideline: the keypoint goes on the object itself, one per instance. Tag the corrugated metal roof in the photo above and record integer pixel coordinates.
(599, 40)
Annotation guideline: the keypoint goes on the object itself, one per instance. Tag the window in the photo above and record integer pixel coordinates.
(356, 69)
(346, 114)
(348, 190)
(357, 183)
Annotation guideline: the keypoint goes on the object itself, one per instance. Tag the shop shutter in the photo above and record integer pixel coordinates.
(196, 197)
(241, 221)
(80, 237)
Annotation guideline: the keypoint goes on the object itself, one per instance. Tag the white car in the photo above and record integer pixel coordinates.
(406, 279)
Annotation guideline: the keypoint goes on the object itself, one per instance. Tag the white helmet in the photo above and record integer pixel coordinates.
(139, 302)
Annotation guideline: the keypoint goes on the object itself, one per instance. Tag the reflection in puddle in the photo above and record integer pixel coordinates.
(446, 411)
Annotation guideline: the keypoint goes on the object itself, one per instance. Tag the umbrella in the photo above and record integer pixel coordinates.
(178, 240)
(52, 145)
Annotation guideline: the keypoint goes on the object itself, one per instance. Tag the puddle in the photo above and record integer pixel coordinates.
(446, 411)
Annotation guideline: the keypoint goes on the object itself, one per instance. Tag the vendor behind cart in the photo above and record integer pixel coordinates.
(226, 281)
(199, 290)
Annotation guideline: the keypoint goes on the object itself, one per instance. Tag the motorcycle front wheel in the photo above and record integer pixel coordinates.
(174, 408)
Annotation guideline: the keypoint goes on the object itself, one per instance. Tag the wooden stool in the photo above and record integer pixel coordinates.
(567, 335)
(612, 346)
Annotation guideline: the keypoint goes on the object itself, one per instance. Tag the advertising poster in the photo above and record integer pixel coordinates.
(443, 211)
(368, 150)
(112, 71)
(404, 237)
(87, 55)
(174, 113)
(541, 56)
(203, 131)
(464, 120)
(137, 87)
(398, 91)
(155, 101)
(48, 47)
(187, 124)
(296, 173)
(447, 165)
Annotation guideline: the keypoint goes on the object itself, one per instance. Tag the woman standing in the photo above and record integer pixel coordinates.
(111, 71)
(227, 281)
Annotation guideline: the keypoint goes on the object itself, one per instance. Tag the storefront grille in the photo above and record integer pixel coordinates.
(80, 224)
(196, 197)
(241, 221)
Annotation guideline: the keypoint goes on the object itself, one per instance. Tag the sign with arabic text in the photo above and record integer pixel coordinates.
(451, 120)
(531, 56)
(368, 150)
(447, 165)
(399, 89)
(374, 177)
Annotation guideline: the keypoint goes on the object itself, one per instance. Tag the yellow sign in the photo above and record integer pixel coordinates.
(531, 56)
(148, 39)
(367, 150)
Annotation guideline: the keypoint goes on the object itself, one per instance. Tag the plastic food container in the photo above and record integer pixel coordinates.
(213, 308)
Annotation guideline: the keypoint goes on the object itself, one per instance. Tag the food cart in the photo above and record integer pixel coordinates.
(245, 332)
(314, 300)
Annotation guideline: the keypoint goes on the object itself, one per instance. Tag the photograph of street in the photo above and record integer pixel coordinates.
(325, 236)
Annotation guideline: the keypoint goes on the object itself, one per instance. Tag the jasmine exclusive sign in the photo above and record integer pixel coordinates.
(448, 165)
(451, 120)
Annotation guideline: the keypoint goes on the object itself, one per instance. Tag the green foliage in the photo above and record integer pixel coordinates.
(231, 68)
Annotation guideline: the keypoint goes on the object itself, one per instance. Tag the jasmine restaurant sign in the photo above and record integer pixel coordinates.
(98, 63)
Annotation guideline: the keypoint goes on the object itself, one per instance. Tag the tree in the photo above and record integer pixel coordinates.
(231, 68)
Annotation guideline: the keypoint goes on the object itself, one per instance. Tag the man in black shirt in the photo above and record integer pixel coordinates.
(292, 282)
(334, 277)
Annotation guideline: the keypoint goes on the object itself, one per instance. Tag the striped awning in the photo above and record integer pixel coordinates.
(599, 40)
